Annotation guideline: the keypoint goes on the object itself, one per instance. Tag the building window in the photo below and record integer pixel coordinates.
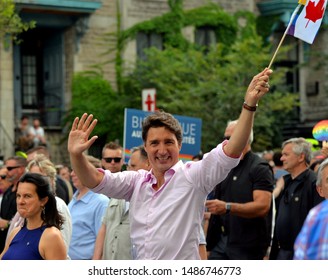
(146, 41)
(29, 81)
(205, 37)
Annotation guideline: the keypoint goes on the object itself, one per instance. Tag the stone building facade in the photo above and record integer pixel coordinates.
(69, 38)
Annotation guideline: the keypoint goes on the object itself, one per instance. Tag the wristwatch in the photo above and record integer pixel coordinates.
(228, 207)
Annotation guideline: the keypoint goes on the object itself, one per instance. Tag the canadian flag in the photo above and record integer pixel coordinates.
(308, 22)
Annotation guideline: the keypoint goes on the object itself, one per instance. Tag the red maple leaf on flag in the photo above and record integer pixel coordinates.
(313, 12)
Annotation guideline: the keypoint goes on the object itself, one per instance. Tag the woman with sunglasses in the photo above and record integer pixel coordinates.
(39, 238)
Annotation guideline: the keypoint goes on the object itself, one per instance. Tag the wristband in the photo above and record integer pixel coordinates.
(249, 108)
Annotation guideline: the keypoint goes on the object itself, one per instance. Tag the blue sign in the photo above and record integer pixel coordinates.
(191, 128)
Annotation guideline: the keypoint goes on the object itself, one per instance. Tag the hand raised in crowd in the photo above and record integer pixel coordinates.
(78, 140)
(258, 87)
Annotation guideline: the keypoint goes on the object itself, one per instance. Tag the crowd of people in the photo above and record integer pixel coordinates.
(229, 203)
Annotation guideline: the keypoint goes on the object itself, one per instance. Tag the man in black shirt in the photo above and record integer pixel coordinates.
(240, 223)
(296, 199)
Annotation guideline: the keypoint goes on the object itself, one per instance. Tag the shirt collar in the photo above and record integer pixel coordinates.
(150, 177)
(299, 178)
(85, 198)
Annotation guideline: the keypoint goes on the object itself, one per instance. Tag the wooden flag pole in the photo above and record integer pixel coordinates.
(285, 33)
(277, 49)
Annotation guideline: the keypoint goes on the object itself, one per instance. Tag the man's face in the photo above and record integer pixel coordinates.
(137, 162)
(323, 188)
(162, 148)
(65, 173)
(36, 123)
(15, 171)
(289, 159)
(112, 160)
(76, 181)
(4, 183)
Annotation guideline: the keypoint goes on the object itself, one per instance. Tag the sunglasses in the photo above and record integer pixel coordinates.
(3, 177)
(9, 168)
(109, 159)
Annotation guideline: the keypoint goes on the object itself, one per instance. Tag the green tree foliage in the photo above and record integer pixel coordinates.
(211, 86)
(10, 22)
(93, 94)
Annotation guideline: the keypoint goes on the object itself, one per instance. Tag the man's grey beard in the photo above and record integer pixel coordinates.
(12, 179)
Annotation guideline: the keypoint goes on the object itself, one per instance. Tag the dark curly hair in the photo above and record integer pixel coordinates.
(50, 215)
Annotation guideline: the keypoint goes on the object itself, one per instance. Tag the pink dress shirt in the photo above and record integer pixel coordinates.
(165, 224)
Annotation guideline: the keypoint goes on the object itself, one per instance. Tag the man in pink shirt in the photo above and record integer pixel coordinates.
(167, 202)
